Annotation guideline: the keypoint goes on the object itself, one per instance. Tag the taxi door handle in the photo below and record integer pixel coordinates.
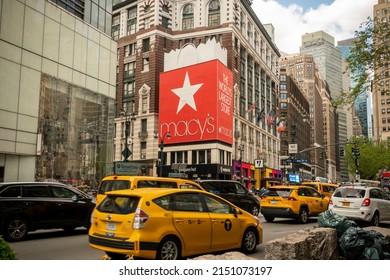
(179, 221)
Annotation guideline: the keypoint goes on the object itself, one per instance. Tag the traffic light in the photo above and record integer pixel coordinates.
(342, 152)
(321, 155)
(355, 151)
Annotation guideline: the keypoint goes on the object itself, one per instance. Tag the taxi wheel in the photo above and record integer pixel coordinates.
(249, 241)
(303, 216)
(169, 249)
(16, 229)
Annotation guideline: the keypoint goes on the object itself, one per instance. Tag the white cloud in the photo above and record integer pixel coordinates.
(340, 19)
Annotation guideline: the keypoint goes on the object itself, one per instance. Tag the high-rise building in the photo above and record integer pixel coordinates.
(329, 62)
(147, 34)
(327, 58)
(359, 109)
(361, 104)
(57, 90)
(294, 127)
(305, 72)
(381, 87)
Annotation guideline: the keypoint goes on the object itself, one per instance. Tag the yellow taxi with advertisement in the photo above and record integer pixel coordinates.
(292, 201)
(170, 224)
(324, 188)
(122, 182)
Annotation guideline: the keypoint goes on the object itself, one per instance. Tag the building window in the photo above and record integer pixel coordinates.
(147, 22)
(129, 70)
(128, 90)
(130, 49)
(283, 87)
(144, 125)
(188, 17)
(145, 64)
(115, 27)
(131, 20)
(146, 45)
(179, 157)
(73, 121)
(283, 78)
(214, 13)
(143, 150)
(165, 22)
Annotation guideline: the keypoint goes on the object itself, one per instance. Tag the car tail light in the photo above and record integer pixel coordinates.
(366, 202)
(140, 218)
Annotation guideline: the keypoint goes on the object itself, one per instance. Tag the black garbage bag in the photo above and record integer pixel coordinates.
(381, 244)
(371, 254)
(332, 220)
(354, 242)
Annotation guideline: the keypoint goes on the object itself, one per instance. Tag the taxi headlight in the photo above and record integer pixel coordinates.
(257, 221)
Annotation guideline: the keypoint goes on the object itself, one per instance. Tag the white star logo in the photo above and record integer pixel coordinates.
(186, 94)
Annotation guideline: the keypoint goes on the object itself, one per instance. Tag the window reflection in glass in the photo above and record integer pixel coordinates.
(76, 133)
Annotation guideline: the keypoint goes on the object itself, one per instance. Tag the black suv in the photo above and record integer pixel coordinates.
(29, 206)
(234, 192)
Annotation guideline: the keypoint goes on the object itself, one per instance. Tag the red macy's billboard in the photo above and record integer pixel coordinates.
(196, 103)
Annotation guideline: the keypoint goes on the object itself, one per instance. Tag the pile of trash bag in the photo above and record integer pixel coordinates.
(356, 243)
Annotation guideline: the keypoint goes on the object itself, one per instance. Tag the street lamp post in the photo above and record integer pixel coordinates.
(168, 136)
(241, 150)
(127, 152)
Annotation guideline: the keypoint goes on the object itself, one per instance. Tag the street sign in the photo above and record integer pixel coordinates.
(126, 153)
(259, 163)
(292, 148)
(127, 168)
(299, 160)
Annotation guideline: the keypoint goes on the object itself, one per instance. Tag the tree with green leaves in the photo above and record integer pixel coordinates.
(371, 160)
(368, 62)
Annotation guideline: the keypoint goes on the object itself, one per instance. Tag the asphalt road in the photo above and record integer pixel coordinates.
(59, 245)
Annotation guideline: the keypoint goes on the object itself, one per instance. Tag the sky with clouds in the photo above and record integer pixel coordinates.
(293, 18)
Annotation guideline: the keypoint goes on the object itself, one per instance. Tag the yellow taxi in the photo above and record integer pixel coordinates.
(170, 224)
(293, 201)
(324, 188)
(121, 182)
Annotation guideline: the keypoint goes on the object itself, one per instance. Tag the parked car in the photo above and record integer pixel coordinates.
(324, 188)
(294, 201)
(121, 182)
(170, 224)
(362, 203)
(234, 192)
(29, 206)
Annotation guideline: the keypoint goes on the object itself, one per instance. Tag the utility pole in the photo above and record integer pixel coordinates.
(241, 150)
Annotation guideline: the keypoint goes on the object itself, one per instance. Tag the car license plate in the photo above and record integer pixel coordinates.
(110, 226)
(274, 202)
(345, 203)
